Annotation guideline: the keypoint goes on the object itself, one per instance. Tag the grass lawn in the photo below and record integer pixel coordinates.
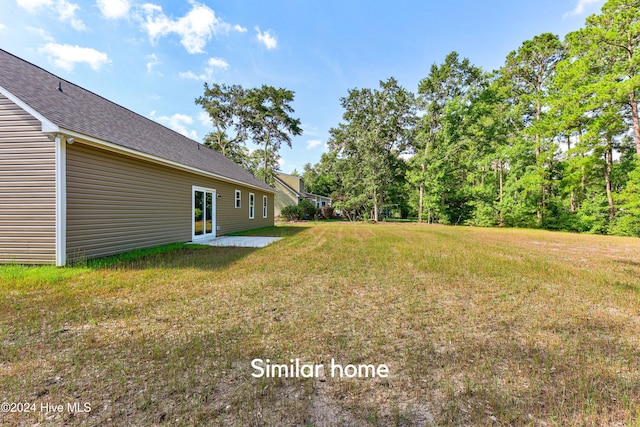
(476, 326)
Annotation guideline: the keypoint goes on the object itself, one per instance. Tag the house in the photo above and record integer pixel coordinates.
(290, 190)
(83, 177)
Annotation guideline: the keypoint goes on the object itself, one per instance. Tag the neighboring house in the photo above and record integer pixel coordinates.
(290, 190)
(82, 177)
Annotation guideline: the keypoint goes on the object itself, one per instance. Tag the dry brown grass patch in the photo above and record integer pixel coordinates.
(477, 326)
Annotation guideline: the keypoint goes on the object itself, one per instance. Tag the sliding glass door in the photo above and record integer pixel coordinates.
(204, 213)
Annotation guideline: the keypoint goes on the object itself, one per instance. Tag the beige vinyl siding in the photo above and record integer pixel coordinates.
(284, 197)
(292, 181)
(117, 203)
(230, 219)
(27, 189)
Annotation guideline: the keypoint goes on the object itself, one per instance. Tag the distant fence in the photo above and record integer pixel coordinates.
(408, 219)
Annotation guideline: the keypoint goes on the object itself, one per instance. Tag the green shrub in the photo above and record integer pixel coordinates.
(291, 212)
(326, 212)
(627, 225)
(309, 210)
(627, 222)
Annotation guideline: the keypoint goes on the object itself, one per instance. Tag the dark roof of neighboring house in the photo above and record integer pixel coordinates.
(79, 110)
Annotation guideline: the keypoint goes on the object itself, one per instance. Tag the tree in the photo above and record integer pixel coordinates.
(569, 115)
(595, 92)
(232, 149)
(613, 37)
(435, 153)
(270, 125)
(323, 177)
(261, 115)
(376, 129)
(530, 70)
(230, 117)
(628, 222)
(263, 164)
(492, 127)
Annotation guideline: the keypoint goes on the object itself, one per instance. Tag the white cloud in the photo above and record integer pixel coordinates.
(209, 70)
(177, 122)
(151, 8)
(33, 5)
(41, 32)
(66, 10)
(191, 75)
(204, 118)
(152, 61)
(195, 29)
(114, 9)
(217, 63)
(2, 26)
(266, 38)
(67, 56)
(239, 28)
(310, 130)
(581, 7)
(313, 143)
(281, 161)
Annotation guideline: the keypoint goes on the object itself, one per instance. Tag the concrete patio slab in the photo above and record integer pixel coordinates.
(240, 241)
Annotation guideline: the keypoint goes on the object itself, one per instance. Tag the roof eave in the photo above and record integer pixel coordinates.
(96, 142)
(52, 128)
(316, 195)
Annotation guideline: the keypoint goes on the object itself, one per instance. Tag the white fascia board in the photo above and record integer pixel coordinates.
(47, 125)
(96, 142)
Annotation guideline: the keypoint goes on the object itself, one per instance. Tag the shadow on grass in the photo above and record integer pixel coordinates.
(275, 231)
(183, 255)
(628, 262)
(171, 256)
(188, 256)
(626, 286)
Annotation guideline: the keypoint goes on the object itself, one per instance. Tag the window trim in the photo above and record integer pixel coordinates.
(264, 206)
(238, 199)
(205, 235)
(252, 206)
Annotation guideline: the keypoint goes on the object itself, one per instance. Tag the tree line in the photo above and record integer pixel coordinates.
(549, 140)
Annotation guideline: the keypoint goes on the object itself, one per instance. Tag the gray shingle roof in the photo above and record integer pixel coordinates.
(79, 110)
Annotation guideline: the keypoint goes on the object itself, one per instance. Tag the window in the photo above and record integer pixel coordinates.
(252, 202)
(238, 199)
(324, 203)
(264, 206)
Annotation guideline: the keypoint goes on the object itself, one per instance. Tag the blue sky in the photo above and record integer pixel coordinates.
(153, 56)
